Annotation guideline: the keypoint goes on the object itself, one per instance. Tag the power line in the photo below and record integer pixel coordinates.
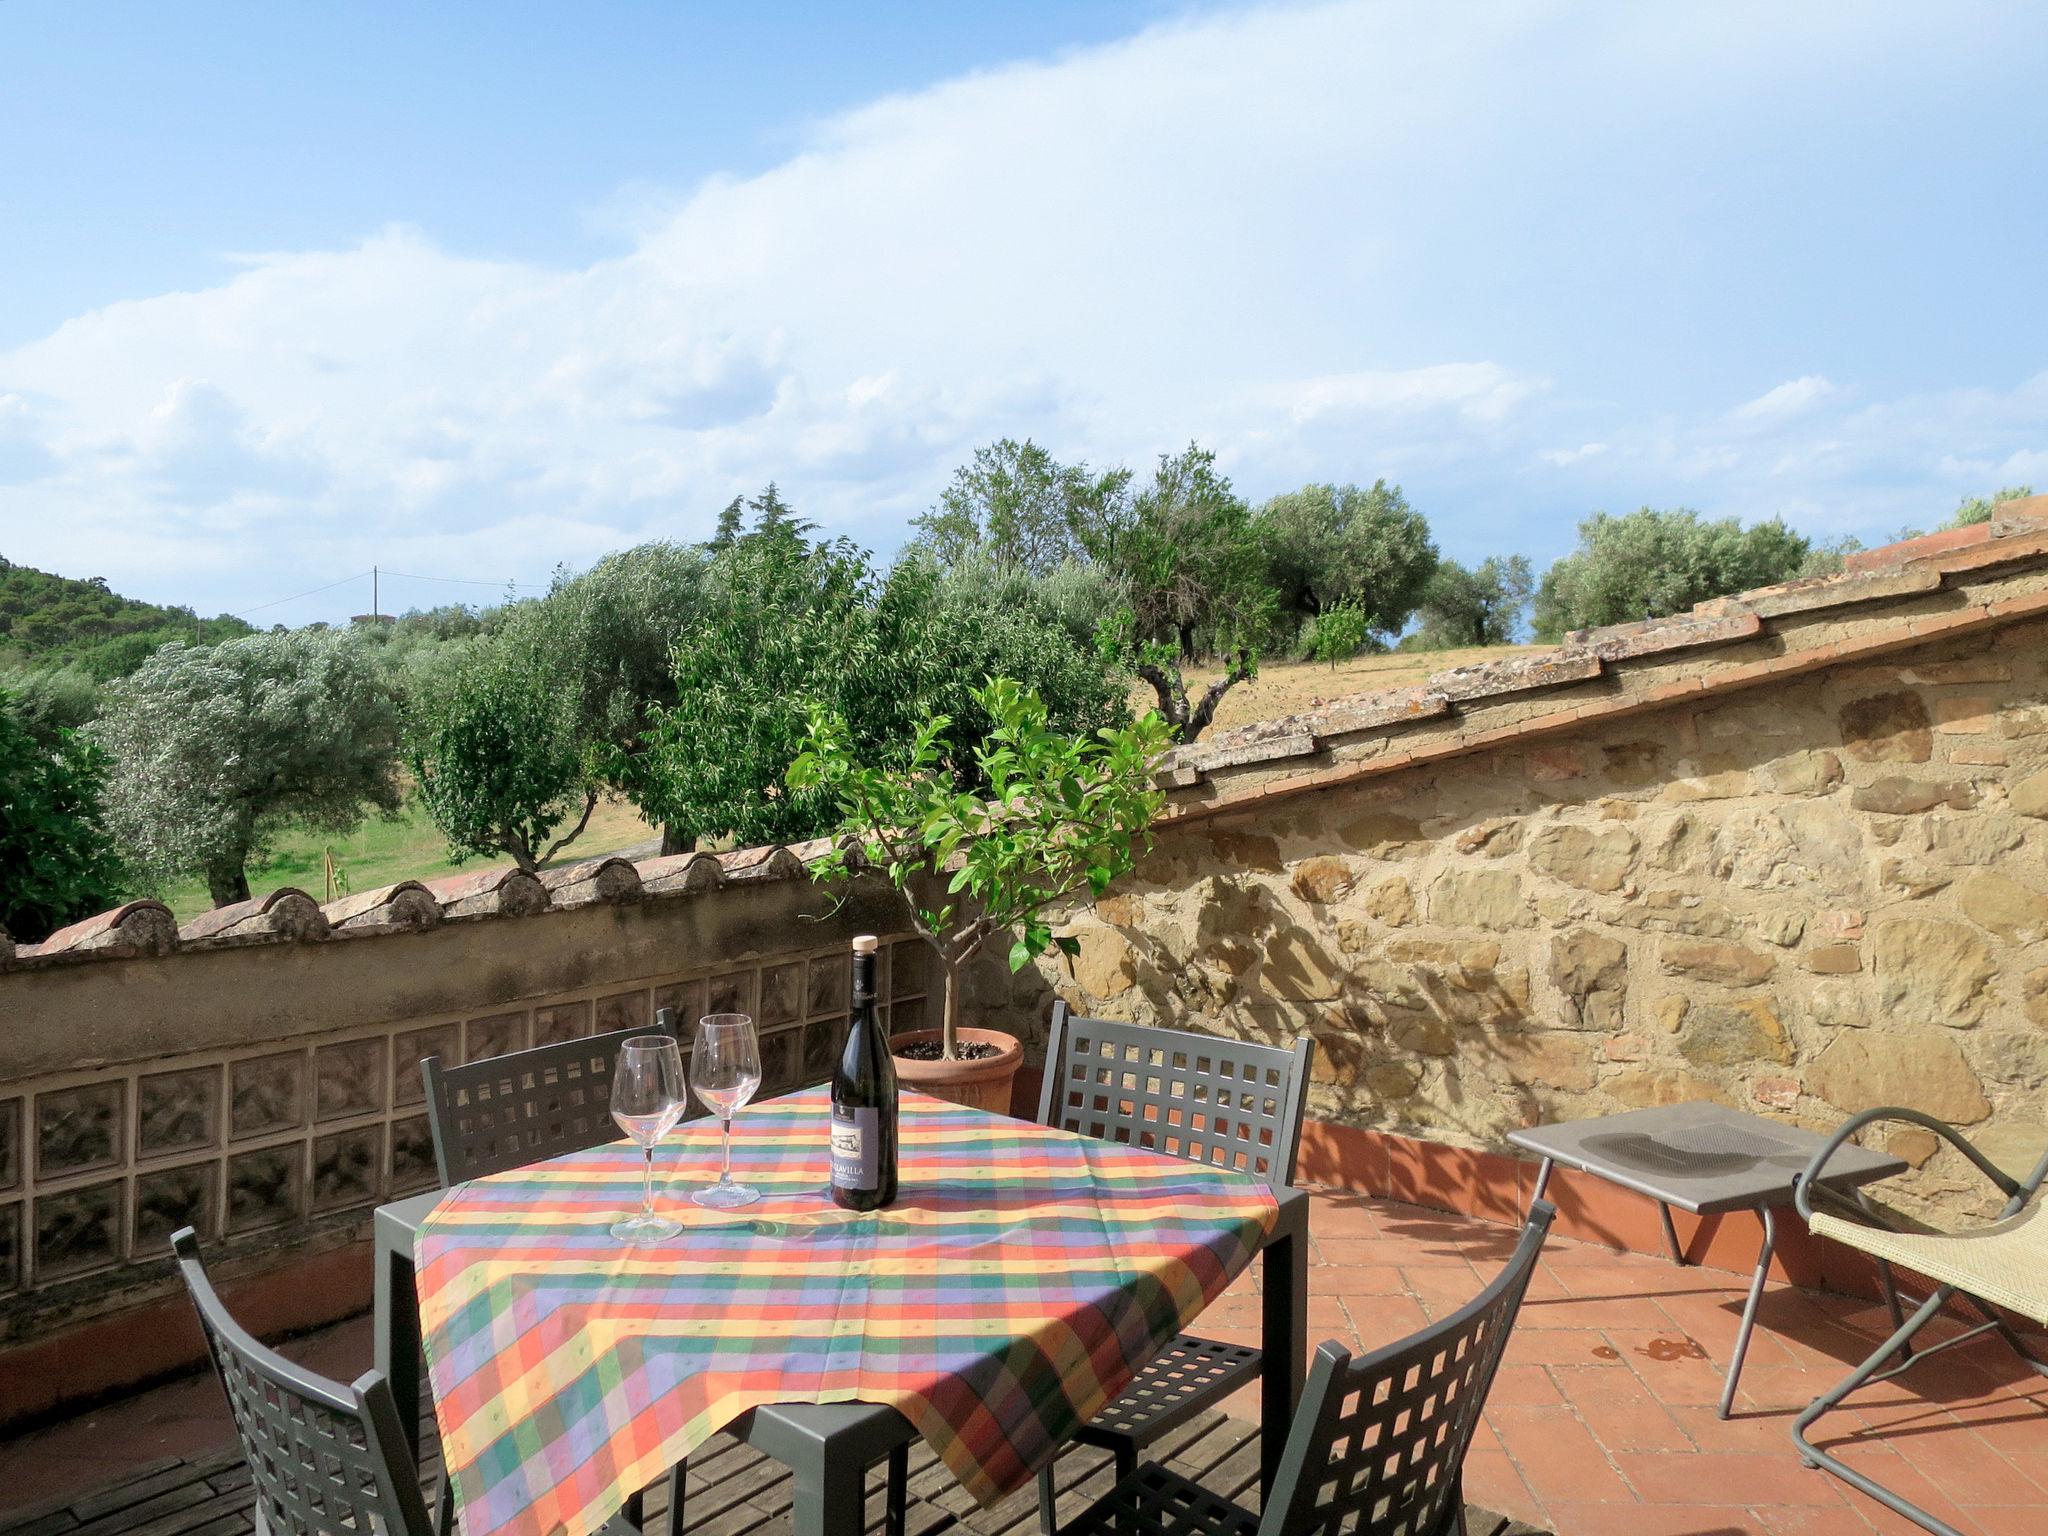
(457, 581)
(279, 601)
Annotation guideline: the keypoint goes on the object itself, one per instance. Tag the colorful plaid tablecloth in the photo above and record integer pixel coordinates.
(1021, 1278)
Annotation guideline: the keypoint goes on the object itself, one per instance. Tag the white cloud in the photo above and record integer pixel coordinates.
(1792, 398)
(1301, 235)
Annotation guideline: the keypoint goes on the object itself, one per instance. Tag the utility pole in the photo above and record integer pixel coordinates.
(376, 612)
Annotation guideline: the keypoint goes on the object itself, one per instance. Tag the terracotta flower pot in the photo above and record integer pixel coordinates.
(982, 1084)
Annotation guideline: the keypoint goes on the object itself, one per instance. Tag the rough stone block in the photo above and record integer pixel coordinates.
(1965, 717)
(412, 1156)
(562, 1021)
(1834, 960)
(623, 1010)
(2007, 908)
(1321, 880)
(1729, 965)
(1580, 856)
(1895, 795)
(1929, 971)
(10, 1246)
(730, 993)
(1734, 1034)
(1861, 1070)
(1480, 898)
(684, 1001)
(1887, 728)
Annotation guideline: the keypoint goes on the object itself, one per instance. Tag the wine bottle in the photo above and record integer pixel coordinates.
(864, 1099)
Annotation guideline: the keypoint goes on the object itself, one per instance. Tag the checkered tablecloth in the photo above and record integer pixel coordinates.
(1020, 1279)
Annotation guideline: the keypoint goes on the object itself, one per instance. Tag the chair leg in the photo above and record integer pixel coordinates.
(1126, 1458)
(1872, 1366)
(1891, 1302)
(444, 1508)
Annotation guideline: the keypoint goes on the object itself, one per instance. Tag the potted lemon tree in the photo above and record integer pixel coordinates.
(1053, 815)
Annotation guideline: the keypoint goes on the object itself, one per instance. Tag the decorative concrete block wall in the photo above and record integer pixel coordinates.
(269, 1093)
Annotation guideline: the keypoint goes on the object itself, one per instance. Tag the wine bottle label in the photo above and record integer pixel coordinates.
(856, 1147)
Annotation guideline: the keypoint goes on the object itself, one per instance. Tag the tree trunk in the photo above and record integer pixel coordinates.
(227, 883)
(674, 839)
(1187, 642)
(949, 1020)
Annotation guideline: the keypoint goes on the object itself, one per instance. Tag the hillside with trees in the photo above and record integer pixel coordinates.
(61, 621)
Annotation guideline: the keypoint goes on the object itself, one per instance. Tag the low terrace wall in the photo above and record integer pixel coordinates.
(265, 1087)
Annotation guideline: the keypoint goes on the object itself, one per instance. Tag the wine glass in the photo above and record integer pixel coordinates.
(648, 1098)
(725, 1069)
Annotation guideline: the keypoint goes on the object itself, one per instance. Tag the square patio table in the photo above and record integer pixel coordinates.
(1707, 1159)
(829, 1446)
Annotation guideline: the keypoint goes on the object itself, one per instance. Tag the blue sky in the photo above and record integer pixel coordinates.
(475, 291)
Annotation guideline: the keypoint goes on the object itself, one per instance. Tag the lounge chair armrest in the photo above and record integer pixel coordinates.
(1802, 1187)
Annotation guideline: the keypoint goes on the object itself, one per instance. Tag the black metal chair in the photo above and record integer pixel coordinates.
(1224, 1103)
(2002, 1264)
(1378, 1445)
(506, 1112)
(326, 1459)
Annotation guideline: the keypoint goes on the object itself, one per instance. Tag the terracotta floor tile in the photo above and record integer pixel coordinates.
(1558, 1456)
(1814, 1520)
(1595, 1312)
(1620, 1410)
(1675, 1366)
(1522, 1386)
(1657, 1520)
(1493, 1482)
(1562, 1346)
(1388, 1250)
(1359, 1280)
(1762, 1479)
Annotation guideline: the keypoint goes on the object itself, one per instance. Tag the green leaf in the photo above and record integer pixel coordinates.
(1020, 955)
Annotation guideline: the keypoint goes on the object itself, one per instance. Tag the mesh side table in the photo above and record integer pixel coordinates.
(1706, 1159)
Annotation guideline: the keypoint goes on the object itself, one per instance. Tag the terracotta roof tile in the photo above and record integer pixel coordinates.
(607, 878)
(407, 905)
(286, 912)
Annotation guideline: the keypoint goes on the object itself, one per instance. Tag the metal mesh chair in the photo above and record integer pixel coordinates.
(1223, 1103)
(524, 1107)
(1378, 1445)
(2003, 1264)
(326, 1460)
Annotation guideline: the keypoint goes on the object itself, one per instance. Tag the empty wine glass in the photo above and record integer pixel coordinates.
(648, 1098)
(725, 1069)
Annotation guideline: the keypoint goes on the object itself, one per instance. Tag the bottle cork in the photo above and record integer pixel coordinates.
(865, 944)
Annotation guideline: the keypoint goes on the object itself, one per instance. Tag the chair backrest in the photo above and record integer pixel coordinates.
(326, 1460)
(523, 1107)
(1227, 1103)
(1378, 1444)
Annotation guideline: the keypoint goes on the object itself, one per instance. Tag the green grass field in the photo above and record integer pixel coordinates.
(380, 852)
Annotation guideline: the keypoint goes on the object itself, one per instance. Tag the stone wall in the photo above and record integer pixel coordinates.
(269, 1094)
(1801, 899)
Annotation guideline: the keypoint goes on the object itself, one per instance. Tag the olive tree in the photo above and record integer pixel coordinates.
(1651, 563)
(1196, 581)
(217, 748)
(1367, 549)
(1017, 505)
(1480, 605)
(605, 636)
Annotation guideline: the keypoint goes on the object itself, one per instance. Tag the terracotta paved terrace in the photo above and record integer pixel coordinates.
(1602, 1420)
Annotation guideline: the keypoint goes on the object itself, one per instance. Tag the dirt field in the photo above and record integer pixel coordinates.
(1286, 688)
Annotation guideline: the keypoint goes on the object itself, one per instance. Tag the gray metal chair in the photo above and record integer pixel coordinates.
(524, 1107)
(2002, 1264)
(1223, 1103)
(326, 1459)
(1378, 1445)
